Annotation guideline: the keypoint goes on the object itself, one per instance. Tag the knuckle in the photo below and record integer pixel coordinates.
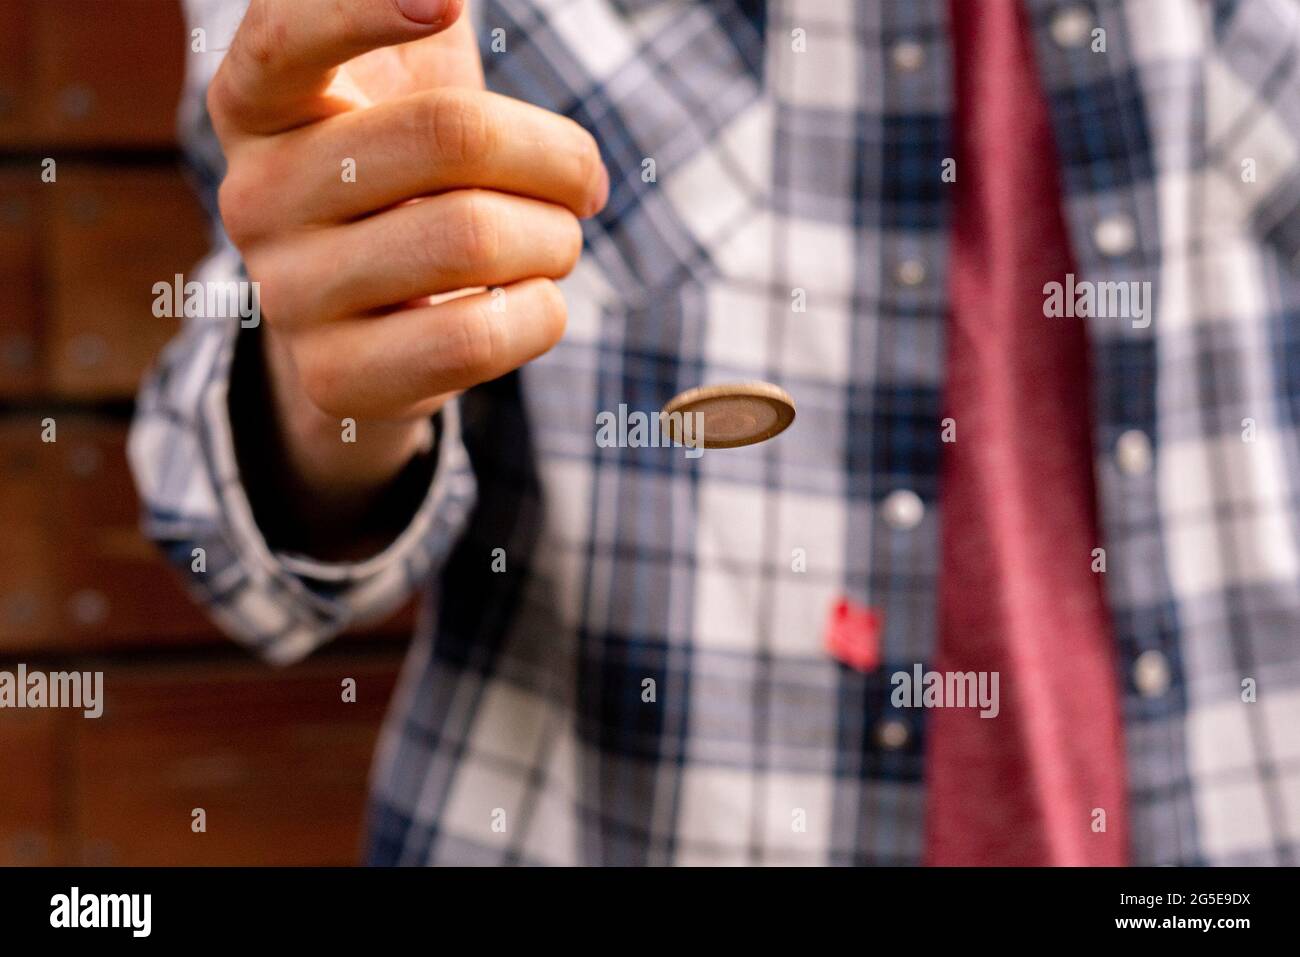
(473, 234)
(260, 34)
(589, 161)
(270, 289)
(285, 293)
(240, 200)
(553, 311)
(225, 100)
(570, 246)
(217, 97)
(236, 206)
(474, 344)
(319, 376)
(458, 126)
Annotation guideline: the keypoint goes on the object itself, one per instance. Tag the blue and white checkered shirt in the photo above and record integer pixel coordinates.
(646, 682)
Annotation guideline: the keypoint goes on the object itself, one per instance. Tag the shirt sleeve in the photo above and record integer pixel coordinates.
(182, 455)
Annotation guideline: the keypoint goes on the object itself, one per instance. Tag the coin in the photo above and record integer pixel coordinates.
(732, 414)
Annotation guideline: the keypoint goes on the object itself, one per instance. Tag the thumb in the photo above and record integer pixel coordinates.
(287, 53)
(449, 58)
(454, 53)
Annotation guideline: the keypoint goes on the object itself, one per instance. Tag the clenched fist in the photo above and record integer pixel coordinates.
(372, 284)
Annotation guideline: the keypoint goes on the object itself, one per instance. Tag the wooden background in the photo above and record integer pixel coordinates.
(274, 756)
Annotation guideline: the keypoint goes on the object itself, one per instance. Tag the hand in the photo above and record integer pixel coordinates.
(372, 290)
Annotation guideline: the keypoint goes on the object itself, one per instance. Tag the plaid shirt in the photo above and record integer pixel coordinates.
(646, 682)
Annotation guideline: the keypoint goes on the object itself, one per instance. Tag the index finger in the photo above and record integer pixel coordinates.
(286, 52)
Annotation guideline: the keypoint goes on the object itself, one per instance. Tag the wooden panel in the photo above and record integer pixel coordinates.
(18, 106)
(30, 801)
(20, 278)
(28, 591)
(114, 586)
(108, 72)
(75, 570)
(277, 761)
(114, 234)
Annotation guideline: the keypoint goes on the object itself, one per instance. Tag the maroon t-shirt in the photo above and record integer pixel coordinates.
(1017, 592)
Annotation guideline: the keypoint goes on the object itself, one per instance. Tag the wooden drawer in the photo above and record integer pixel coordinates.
(31, 806)
(277, 761)
(28, 591)
(114, 585)
(18, 99)
(86, 73)
(75, 571)
(20, 278)
(113, 234)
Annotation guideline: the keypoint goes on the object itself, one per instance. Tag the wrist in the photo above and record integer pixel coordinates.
(319, 485)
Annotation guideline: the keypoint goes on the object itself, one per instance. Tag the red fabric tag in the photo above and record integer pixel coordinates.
(853, 635)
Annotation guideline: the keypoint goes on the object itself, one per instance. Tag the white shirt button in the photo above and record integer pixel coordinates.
(910, 272)
(908, 56)
(892, 734)
(1133, 452)
(1115, 235)
(902, 509)
(1071, 26)
(1151, 674)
